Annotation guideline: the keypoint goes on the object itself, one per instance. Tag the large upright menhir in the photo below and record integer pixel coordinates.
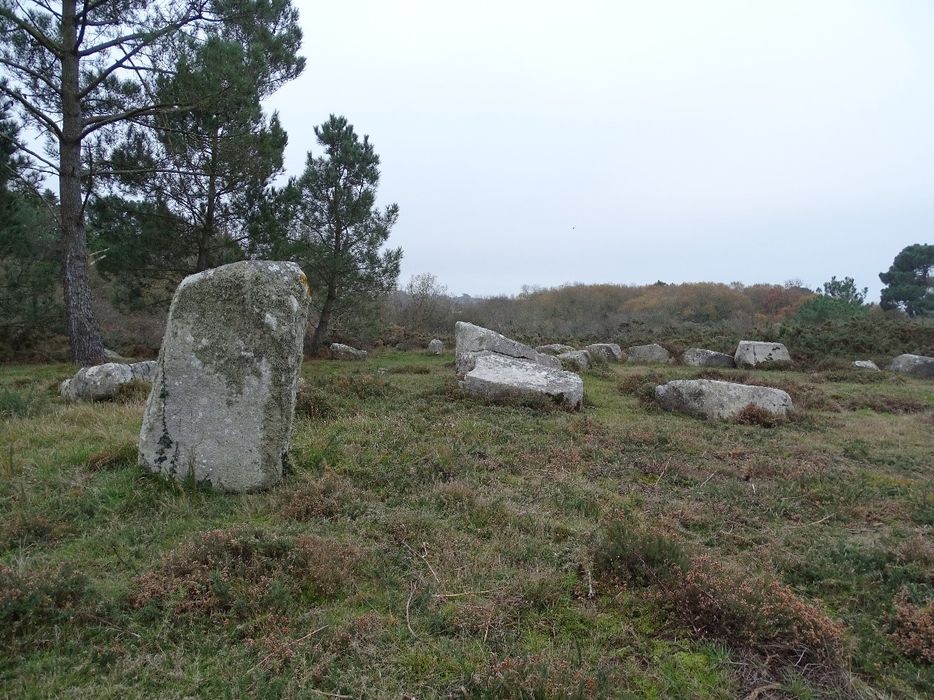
(223, 394)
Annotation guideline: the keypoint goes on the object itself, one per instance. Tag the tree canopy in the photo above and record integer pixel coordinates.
(909, 282)
(339, 233)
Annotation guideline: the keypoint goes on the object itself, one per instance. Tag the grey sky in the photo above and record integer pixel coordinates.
(550, 142)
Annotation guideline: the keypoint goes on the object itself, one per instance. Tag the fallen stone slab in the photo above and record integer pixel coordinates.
(339, 351)
(576, 360)
(435, 347)
(866, 364)
(713, 399)
(143, 371)
(699, 357)
(913, 365)
(755, 353)
(97, 383)
(223, 398)
(498, 377)
(652, 353)
(472, 341)
(555, 349)
(605, 352)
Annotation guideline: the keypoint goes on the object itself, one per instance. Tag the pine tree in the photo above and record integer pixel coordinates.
(339, 232)
(79, 68)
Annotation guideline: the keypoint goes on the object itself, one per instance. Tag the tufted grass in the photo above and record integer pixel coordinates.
(428, 545)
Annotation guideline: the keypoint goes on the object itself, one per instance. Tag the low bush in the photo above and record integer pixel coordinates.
(914, 628)
(239, 572)
(39, 598)
(745, 611)
(756, 415)
(639, 556)
(330, 496)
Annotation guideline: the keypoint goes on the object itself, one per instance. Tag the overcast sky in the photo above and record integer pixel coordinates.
(549, 142)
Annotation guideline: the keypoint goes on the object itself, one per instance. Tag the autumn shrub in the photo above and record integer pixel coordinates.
(752, 613)
(239, 572)
(744, 610)
(330, 496)
(914, 627)
(751, 414)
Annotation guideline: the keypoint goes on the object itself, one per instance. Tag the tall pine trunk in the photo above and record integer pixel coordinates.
(324, 319)
(84, 336)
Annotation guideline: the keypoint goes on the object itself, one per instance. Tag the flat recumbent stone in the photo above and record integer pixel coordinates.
(223, 396)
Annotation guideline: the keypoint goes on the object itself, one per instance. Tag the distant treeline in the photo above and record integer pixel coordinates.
(814, 325)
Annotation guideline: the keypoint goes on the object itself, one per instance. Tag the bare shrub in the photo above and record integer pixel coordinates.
(756, 415)
(914, 627)
(237, 572)
(330, 496)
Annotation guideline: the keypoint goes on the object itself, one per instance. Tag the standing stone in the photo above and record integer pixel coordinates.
(555, 349)
(472, 341)
(498, 377)
(708, 398)
(339, 351)
(576, 360)
(866, 364)
(698, 357)
(435, 347)
(223, 397)
(913, 365)
(649, 354)
(754, 353)
(605, 352)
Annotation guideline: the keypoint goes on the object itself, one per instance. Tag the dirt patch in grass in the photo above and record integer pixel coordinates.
(238, 572)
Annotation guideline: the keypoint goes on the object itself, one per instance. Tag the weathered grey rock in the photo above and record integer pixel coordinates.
(754, 353)
(473, 341)
(497, 377)
(555, 349)
(143, 371)
(699, 357)
(339, 351)
(605, 352)
(913, 365)
(435, 347)
(720, 400)
(649, 354)
(113, 355)
(866, 364)
(96, 383)
(576, 360)
(223, 397)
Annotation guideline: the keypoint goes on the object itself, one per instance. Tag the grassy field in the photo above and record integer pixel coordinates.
(428, 545)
